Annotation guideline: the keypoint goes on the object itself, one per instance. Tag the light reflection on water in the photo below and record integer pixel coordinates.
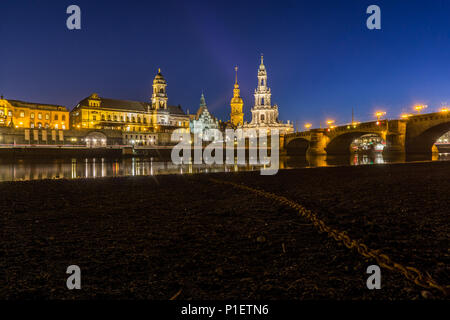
(30, 169)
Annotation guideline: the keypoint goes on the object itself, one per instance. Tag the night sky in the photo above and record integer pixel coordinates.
(321, 58)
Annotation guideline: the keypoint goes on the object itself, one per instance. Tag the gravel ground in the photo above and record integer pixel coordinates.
(150, 237)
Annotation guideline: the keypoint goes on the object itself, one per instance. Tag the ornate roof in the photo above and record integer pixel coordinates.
(128, 105)
(159, 78)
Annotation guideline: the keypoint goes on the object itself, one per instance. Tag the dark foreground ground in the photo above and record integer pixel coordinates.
(149, 237)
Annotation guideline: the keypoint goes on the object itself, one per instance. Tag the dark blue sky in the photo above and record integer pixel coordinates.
(321, 58)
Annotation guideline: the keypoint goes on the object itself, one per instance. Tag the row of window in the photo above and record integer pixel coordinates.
(39, 116)
(132, 119)
(139, 137)
(46, 126)
(116, 118)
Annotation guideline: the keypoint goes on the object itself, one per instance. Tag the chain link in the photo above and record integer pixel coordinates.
(411, 273)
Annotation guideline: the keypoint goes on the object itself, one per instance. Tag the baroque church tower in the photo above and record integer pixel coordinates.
(263, 112)
(237, 104)
(159, 95)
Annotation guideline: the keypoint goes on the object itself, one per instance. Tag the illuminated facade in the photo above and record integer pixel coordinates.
(132, 117)
(264, 115)
(237, 105)
(19, 114)
(203, 121)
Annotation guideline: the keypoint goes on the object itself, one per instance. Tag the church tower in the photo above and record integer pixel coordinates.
(159, 95)
(263, 112)
(237, 104)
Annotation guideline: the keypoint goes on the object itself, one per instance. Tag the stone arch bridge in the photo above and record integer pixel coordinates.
(414, 135)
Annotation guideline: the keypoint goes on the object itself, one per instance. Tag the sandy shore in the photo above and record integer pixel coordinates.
(149, 237)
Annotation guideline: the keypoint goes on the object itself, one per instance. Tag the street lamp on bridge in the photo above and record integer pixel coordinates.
(420, 107)
(330, 124)
(406, 116)
(379, 114)
(308, 125)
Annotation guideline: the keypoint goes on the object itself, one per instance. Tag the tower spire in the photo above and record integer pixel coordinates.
(262, 59)
(236, 104)
(202, 100)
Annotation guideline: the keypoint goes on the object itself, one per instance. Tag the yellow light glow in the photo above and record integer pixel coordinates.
(420, 107)
(330, 122)
(308, 125)
(445, 109)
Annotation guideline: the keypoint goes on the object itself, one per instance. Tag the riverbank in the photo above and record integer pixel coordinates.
(150, 237)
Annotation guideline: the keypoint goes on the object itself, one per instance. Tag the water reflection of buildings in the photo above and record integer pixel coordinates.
(101, 167)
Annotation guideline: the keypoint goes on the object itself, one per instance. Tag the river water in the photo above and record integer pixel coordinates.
(35, 169)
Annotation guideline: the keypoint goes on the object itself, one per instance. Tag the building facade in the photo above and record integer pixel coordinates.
(141, 122)
(237, 105)
(28, 115)
(203, 121)
(264, 115)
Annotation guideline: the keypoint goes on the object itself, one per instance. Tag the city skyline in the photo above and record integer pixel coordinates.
(318, 68)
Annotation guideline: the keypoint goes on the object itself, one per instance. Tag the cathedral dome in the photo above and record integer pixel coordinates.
(159, 78)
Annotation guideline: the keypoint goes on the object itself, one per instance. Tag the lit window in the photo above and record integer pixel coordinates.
(32, 115)
(10, 113)
(47, 116)
(39, 116)
(56, 126)
(22, 114)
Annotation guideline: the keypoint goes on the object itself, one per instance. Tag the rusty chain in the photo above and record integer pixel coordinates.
(411, 273)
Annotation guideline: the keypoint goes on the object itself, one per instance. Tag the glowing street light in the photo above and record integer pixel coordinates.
(330, 122)
(379, 114)
(308, 125)
(420, 107)
(444, 110)
(405, 116)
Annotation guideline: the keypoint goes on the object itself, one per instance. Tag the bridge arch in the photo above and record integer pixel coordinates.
(297, 146)
(341, 144)
(423, 143)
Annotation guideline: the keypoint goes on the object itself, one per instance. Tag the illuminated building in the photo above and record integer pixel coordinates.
(237, 104)
(136, 119)
(445, 139)
(264, 115)
(203, 121)
(19, 114)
